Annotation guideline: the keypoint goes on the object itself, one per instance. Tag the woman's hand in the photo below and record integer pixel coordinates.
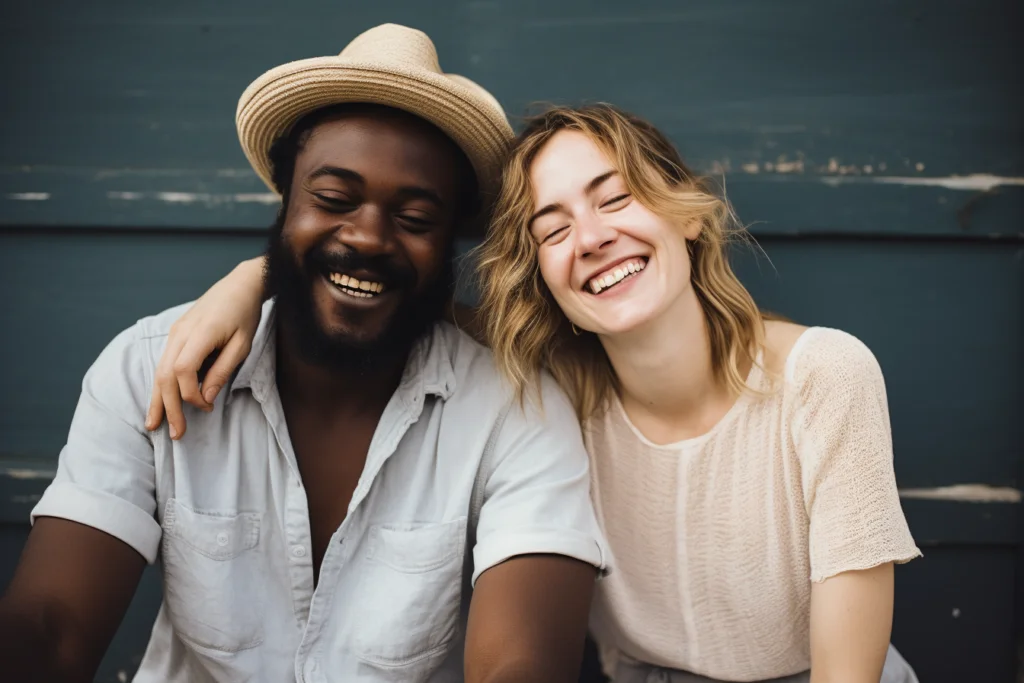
(225, 318)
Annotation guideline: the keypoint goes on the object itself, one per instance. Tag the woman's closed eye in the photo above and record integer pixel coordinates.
(556, 235)
(616, 202)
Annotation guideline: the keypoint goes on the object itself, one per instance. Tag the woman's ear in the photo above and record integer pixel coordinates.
(691, 230)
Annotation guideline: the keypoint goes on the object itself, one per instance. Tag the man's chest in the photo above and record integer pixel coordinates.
(331, 457)
(379, 515)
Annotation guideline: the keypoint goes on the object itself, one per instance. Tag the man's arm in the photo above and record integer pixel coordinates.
(93, 530)
(851, 621)
(538, 549)
(65, 602)
(528, 621)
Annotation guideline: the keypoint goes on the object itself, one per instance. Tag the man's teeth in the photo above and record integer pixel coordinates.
(618, 274)
(358, 288)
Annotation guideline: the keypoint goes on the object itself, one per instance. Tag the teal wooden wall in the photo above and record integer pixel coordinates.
(875, 146)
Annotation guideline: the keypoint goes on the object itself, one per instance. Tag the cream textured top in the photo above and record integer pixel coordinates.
(715, 540)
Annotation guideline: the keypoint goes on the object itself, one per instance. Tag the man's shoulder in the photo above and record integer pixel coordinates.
(481, 385)
(159, 324)
(472, 363)
(140, 343)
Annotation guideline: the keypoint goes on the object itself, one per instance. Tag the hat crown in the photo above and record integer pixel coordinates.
(391, 44)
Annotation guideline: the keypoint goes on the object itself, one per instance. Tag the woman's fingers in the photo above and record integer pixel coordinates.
(170, 395)
(175, 340)
(220, 372)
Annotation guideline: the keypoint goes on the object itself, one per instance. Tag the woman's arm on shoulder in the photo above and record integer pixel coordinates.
(225, 318)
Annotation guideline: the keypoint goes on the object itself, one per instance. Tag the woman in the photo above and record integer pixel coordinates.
(742, 465)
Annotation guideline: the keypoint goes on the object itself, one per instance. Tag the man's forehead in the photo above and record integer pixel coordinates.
(389, 142)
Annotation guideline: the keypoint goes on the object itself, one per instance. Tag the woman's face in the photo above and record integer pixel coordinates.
(611, 263)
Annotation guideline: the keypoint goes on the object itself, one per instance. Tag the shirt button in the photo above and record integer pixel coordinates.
(222, 539)
(298, 551)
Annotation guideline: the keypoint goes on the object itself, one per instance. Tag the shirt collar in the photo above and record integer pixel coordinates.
(429, 370)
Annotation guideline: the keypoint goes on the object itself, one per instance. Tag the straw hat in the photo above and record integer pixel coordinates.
(390, 65)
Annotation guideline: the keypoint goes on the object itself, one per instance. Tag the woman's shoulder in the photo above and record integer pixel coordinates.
(780, 340)
(819, 358)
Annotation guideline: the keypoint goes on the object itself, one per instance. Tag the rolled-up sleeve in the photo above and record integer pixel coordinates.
(537, 497)
(106, 475)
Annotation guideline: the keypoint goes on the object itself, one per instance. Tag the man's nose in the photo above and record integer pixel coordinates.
(370, 232)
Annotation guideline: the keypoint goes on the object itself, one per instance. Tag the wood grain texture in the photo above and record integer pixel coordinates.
(821, 116)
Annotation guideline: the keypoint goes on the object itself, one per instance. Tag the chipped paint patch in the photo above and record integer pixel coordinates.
(29, 196)
(30, 499)
(182, 197)
(266, 198)
(965, 493)
(835, 173)
(257, 198)
(26, 473)
(789, 166)
(977, 182)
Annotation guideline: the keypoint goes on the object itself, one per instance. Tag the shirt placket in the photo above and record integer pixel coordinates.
(313, 603)
(295, 508)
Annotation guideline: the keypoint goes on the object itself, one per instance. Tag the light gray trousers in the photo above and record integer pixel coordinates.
(896, 671)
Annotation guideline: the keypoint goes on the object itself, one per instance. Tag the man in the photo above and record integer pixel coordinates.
(366, 464)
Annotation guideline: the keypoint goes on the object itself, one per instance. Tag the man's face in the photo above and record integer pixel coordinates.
(361, 259)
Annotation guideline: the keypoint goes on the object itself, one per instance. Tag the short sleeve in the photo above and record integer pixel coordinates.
(843, 436)
(537, 497)
(105, 474)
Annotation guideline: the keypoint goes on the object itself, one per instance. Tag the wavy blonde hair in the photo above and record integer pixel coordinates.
(523, 324)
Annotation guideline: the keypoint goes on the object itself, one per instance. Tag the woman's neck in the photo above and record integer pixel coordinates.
(667, 382)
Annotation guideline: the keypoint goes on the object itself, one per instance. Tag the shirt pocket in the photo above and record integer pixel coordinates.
(409, 598)
(212, 579)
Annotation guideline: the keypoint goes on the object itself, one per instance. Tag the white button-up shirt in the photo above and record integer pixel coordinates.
(225, 511)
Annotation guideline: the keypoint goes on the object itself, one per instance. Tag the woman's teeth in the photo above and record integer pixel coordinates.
(363, 289)
(616, 275)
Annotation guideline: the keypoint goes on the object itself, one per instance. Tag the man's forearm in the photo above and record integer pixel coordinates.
(528, 672)
(28, 648)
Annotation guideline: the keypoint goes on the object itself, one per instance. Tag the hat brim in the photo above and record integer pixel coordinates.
(275, 101)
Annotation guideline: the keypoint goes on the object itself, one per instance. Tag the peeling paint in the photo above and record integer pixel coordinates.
(976, 182)
(789, 166)
(26, 473)
(29, 196)
(267, 198)
(965, 493)
(257, 198)
(182, 197)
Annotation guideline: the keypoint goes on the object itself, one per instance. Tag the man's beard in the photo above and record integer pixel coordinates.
(292, 286)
